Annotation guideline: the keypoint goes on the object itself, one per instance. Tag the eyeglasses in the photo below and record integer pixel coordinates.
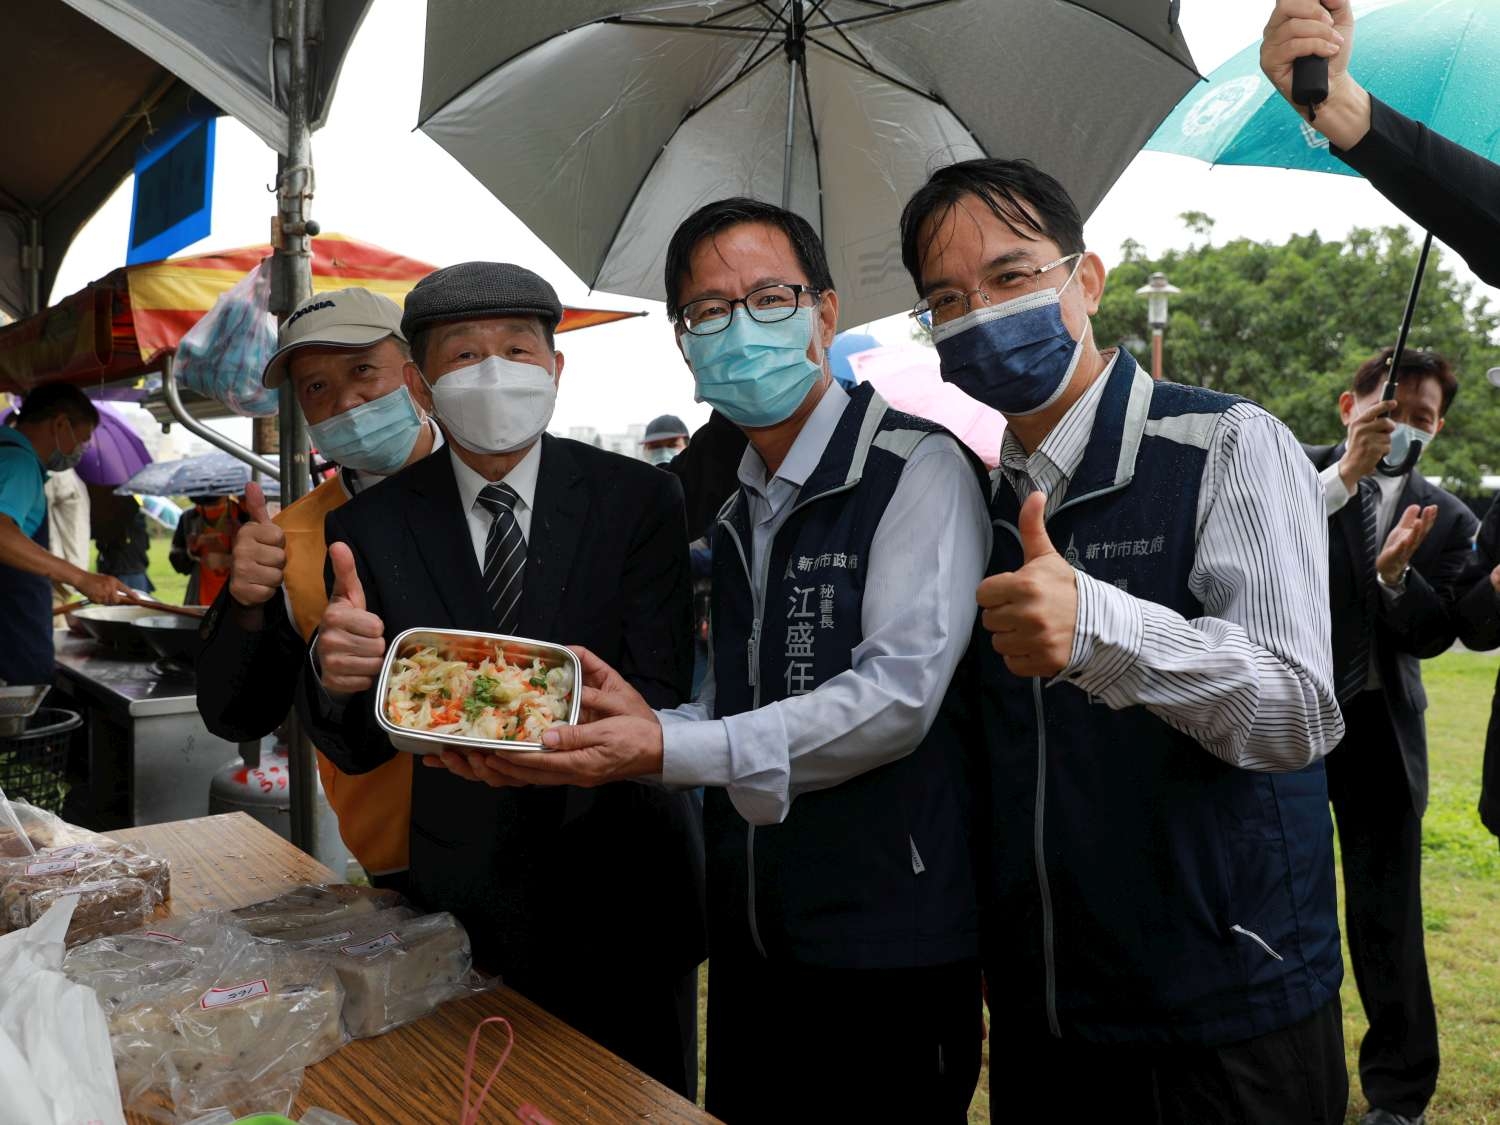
(1012, 281)
(766, 305)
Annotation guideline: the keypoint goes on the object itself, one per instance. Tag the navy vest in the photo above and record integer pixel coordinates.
(1140, 889)
(875, 872)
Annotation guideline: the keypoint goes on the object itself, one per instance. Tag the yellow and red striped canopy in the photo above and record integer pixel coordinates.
(117, 327)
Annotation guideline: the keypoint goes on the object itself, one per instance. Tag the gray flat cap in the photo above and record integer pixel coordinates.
(476, 290)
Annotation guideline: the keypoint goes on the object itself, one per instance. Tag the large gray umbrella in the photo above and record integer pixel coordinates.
(602, 123)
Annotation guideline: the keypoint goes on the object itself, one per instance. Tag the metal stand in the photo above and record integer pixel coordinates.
(296, 23)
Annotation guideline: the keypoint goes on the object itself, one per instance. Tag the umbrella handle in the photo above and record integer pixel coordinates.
(1310, 83)
(1384, 468)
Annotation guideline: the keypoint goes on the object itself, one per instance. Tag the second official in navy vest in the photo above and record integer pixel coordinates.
(1154, 683)
(843, 930)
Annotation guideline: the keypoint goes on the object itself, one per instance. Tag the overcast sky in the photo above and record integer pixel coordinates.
(382, 182)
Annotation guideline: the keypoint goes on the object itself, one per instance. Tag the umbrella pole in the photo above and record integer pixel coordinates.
(796, 49)
(1400, 350)
(291, 286)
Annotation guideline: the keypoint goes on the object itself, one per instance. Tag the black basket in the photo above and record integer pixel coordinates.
(34, 763)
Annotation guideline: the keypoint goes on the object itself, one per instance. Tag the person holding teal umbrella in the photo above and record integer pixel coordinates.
(1444, 186)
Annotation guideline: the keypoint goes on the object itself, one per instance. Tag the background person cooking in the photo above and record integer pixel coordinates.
(48, 434)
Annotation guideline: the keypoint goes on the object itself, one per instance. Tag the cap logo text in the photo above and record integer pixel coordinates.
(305, 309)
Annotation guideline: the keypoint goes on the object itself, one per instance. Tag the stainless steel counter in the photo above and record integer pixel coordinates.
(150, 759)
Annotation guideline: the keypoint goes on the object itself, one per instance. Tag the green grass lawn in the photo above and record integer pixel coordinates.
(1461, 895)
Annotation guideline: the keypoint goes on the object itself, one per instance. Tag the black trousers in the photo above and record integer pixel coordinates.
(1380, 836)
(791, 1044)
(649, 1020)
(1294, 1076)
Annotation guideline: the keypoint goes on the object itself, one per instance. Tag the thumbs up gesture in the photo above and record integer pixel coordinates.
(1032, 613)
(258, 562)
(351, 640)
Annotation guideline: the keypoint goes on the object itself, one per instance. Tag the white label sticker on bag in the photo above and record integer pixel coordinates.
(52, 867)
(364, 949)
(331, 939)
(160, 938)
(221, 997)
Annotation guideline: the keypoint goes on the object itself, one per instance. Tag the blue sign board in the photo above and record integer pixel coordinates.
(174, 185)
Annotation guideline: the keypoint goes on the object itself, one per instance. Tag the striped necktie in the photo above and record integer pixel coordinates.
(1356, 674)
(504, 556)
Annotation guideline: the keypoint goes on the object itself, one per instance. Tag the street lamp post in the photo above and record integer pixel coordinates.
(1156, 291)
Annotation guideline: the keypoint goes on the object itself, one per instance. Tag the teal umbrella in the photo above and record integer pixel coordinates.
(1437, 61)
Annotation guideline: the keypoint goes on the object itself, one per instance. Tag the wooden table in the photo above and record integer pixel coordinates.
(413, 1075)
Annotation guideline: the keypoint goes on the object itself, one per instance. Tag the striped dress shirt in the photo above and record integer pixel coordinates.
(1252, 679)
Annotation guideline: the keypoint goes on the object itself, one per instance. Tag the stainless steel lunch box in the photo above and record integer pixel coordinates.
(456, 641)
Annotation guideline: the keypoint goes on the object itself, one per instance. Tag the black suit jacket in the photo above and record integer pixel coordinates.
(1442, 186)
(1416, 625)
(1477, 613)
(551, 883)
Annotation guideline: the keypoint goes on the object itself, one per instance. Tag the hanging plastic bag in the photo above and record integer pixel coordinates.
(223, 355)
(55, 1064)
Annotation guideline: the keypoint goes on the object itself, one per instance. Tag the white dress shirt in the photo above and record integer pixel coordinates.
(926, 560)
(522, 478)
(1252, 679)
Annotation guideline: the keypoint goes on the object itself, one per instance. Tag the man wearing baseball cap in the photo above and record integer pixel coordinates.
(344, 356)
(665, 438)
(587, 900)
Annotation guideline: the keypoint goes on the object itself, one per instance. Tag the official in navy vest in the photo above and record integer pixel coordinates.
(1398, 546)
(843, 982)
(1160, 933)
(47, 435)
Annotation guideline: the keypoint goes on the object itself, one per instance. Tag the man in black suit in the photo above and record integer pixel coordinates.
(1478, 614)
(588, 901)
(1397, 545)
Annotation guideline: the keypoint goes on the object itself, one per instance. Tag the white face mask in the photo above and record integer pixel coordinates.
(495, 405)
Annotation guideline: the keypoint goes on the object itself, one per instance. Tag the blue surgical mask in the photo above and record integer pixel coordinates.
(754, 374)
(1017, 357)
(60, 462)
(1403, 437)
(374, 437)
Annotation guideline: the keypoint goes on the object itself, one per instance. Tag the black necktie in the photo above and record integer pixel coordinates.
(1357, 671)
(504, 556)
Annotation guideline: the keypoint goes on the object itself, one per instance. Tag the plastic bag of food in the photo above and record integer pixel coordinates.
(105, 905)
(13, 839)
(162, 951)
(394, 969)
(54, 1047)
(312, 904)
(339, 931)
(54, 839)
(235, 1031)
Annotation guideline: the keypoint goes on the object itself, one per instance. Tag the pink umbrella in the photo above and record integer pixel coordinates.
(907, 377)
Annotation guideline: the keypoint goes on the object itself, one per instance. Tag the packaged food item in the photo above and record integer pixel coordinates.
(161, 951)
(454, 687)
(395, 969)
(340, 930)
(105, 905)
(312, 904)
(52, 839)
(251, 1017)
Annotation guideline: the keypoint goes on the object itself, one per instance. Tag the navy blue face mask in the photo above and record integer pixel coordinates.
(1017, 357)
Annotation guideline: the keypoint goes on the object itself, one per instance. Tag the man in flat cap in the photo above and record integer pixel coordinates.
(345, 358)
(587, 900)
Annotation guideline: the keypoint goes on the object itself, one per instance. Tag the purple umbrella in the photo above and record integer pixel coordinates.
(114, 454)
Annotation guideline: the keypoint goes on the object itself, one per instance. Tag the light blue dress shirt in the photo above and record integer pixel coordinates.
(925, 563)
